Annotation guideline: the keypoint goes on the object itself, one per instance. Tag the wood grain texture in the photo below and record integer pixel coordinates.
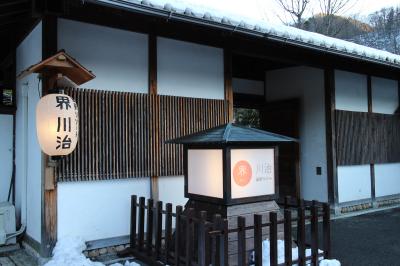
(367, 138)
(122, 134)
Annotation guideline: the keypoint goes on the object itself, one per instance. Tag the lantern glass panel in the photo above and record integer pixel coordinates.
(205, 172)
(252, 172)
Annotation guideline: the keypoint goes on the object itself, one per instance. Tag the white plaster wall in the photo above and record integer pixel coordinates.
(172, 190)
(189, 69)
(354, 182)
(385, 95)
(248, 86)
(307, 84)
(351, 92)
(6, 136)
(118, 58)
(28, 153)
(97, 209)
(387, 179)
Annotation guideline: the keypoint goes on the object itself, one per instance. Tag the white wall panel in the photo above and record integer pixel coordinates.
(28, 153)
(118, 58)
(248, 86)
(385, 95)
(308, 85)
(351, 93)
(97, 210)
(354, 182)
(6, 127)
(172, 190)
(387, 179)
(189, 69)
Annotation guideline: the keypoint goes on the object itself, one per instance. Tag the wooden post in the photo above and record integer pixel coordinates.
(228, 82)
(327, 231)
(202, 247)
(189, 236)
(168, 231)
(150, 222)
(241, 221)
(314, 234)
(288, 237)
(273, 238)
(301, 235)
(178, 228)
(133, 222)
(258, 239)
(141, 223)
(158, 228)
(49, 195)
(329, 75)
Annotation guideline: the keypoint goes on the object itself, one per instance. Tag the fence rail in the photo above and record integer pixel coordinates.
(191, 237)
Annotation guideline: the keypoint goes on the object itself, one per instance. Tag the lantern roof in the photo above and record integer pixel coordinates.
(231, 133)
(61, 63)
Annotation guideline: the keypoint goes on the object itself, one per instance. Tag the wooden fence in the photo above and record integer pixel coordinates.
(160, 236)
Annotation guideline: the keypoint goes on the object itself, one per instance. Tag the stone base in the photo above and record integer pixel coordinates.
(231, 213)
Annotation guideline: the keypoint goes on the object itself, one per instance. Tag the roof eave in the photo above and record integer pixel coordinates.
(170, 15)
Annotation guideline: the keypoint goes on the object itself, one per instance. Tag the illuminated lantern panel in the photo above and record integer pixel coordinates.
(205, 172)
(252, 172)
(57, 124)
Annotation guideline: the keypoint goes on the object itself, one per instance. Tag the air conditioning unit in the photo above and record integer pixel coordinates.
(7, 223)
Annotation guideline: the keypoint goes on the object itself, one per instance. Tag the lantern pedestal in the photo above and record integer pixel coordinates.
(231, 213)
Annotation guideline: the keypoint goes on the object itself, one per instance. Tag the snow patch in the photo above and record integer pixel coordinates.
(281, 255)
(68, 252)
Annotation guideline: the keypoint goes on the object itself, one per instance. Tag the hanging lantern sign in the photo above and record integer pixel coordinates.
(57, 124)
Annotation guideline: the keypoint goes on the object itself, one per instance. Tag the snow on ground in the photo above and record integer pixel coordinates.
(68, 252)
(281, 254)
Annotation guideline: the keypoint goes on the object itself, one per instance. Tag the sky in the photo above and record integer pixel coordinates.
(268, 10)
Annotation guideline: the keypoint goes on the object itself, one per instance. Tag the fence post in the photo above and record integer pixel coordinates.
(224, 242)
(133, 221)
(288, 237)
(314, 234)
(273, 237)
(301, 235)
(158, 228)
(178, 225)
(201, 246)
(217, 241)
(257, 239)
(286, 202)
(327, 231)
(189, 236)
(141, 223)
(149, 235)
(241, 221)
(168, 230)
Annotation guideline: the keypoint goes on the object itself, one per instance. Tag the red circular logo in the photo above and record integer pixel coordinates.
(242, 173)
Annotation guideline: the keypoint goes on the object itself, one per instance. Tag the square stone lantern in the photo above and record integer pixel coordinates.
(232, 170)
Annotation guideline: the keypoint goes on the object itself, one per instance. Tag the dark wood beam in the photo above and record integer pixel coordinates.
(49, 197)
(329, 75)
(228, 91)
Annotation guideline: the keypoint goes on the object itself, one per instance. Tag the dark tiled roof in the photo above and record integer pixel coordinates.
(231, 133)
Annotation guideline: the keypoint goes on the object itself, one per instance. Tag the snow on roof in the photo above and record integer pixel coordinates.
(207, 15)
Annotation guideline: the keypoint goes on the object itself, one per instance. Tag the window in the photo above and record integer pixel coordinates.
(247, 117)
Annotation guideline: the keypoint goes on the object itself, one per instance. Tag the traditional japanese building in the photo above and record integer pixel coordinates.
(163, 71)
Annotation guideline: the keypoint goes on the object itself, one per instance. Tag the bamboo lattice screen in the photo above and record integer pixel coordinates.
(122, 134)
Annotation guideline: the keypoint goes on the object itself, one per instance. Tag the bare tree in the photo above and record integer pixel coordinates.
(296, 9)
(330, 10)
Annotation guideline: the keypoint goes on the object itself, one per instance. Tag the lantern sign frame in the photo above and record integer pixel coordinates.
(228, 138)
(227, 198)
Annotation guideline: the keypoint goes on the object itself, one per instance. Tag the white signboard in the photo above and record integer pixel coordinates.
(252, 172)
(205, 174)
